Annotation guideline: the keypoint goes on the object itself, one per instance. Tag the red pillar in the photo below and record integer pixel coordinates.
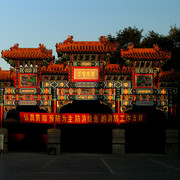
(118, 106)
(54, 109)
(1, 116)
(54, 106)
(171, 113)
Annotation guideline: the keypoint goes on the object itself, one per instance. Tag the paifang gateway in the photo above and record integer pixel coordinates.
(85, 72)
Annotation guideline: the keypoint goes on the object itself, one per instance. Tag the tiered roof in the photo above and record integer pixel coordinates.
(169, 75)
(7, 74)
(145, 53)
(27, 53)
(116, 68)
(71, 46)
(55, 69)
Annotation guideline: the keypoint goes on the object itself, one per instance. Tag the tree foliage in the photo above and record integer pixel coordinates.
(126, 36)
(170, 42)
(58, 61)
(155, 38)
(174, 36)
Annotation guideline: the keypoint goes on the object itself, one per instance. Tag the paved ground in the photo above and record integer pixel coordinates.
(34, 166)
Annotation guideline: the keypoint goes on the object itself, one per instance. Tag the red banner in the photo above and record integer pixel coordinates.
(83, 118)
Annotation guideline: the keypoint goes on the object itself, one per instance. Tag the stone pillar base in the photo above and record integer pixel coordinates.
(4, 132)
(172, 141)
(54, 140)
(118, 141)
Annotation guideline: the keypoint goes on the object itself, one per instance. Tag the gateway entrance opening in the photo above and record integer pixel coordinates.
(25, 137)
(86, 138)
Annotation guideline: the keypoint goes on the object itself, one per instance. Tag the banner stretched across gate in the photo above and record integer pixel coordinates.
(81, 118)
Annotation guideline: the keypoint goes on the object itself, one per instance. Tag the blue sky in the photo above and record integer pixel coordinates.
(30, 22)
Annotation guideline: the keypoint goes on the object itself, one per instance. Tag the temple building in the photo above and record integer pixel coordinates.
(85, 94)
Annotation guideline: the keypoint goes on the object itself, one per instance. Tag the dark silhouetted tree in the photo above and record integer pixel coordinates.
(155, 38)
(174, 37)
(123, 38)
(170, 42)
(126, 36)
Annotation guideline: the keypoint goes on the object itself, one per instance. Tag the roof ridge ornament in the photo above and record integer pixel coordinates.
(69, 40)
(41, 46)
(131, 46)
(16, 46)
(43, 49)
(156, 47)
(103, 39)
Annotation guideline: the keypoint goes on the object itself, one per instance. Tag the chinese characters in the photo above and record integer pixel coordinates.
(81, 118)
(86, 74)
